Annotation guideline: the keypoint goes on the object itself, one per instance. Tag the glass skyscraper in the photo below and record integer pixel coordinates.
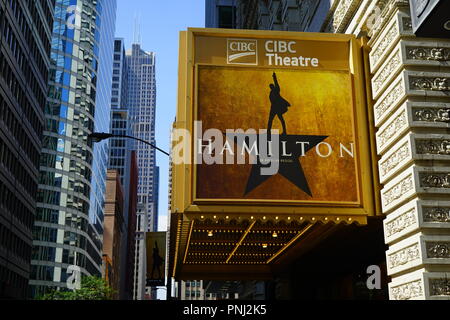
(142, 106)
(70, 201)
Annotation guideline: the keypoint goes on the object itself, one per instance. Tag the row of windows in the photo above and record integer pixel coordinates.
(77, 164)
(56, 180)
(192, 294)
(77, 147)
(118, 143)
(33, 47)
(9, 160)
(21, 98)
(114, 162)
(14, 244)
(87, 36)
(16, 130)
(48, 10)
(117, 152)
(10, 202)
(84, 82)
(54, 198)
(10, 278)
(75, 221)
(46, 273)
(119, 124)
(48, 234)
(78, 118)
(63, 53)
(22, 62)
(37, 21)
(82, 101)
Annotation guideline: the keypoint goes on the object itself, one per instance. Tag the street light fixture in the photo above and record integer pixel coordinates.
(100, 136)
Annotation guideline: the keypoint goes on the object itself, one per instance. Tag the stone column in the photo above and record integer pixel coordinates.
(410, 80)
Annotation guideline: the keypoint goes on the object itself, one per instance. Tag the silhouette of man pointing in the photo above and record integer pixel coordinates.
(279, 106)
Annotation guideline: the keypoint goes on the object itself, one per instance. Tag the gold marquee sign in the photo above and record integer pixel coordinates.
(270, 146)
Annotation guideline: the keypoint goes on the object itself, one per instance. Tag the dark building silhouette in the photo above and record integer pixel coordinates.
(25, 35)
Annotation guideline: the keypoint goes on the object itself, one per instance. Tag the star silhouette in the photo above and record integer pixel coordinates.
(290, 150)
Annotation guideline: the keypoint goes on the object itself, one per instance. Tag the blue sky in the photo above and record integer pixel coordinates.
(161, 22)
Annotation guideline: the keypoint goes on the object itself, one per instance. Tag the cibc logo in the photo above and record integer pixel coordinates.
(242, 51)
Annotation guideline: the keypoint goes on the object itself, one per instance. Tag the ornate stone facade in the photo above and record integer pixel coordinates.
(395, 127)
(438, 249)
(429, 83)
(390, 99)
(411, 89)
(404, 256)
(436, 214)
(432, 114)
(393, 160)
(407, 290)
(433, 146)
(434, 180)
(386, 71)
(398, 190)
(440, 287)
(428, 53)
(401, 223)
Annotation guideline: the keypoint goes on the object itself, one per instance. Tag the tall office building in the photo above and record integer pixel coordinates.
(120, 151)
(121, 122)
(69, 217)
(25, 37)
(142, 106)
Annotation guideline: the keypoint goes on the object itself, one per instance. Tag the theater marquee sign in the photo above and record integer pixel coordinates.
(271, 122)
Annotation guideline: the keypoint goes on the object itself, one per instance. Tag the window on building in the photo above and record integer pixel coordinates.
(226, 16)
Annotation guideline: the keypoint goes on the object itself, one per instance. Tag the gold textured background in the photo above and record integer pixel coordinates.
(321, 104)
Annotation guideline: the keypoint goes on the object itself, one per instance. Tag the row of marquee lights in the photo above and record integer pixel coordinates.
(274, 233)
(264, 245)
(289, 218)
(240, 243)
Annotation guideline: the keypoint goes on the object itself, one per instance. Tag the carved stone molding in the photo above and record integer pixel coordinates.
(394, 127)
(434, 180)
(433, 146)
(386, 6)
(341, 16)
(428, 53)
(436, 214)
(387, 40)
(398, 26)
(432, 114)
(394, 159)
(386, 71)
(398, 190)
(407, 291)
(394, 95)
(429, 83)
(400, 223)
(438, 249)
(439, 287)
(404, 256)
